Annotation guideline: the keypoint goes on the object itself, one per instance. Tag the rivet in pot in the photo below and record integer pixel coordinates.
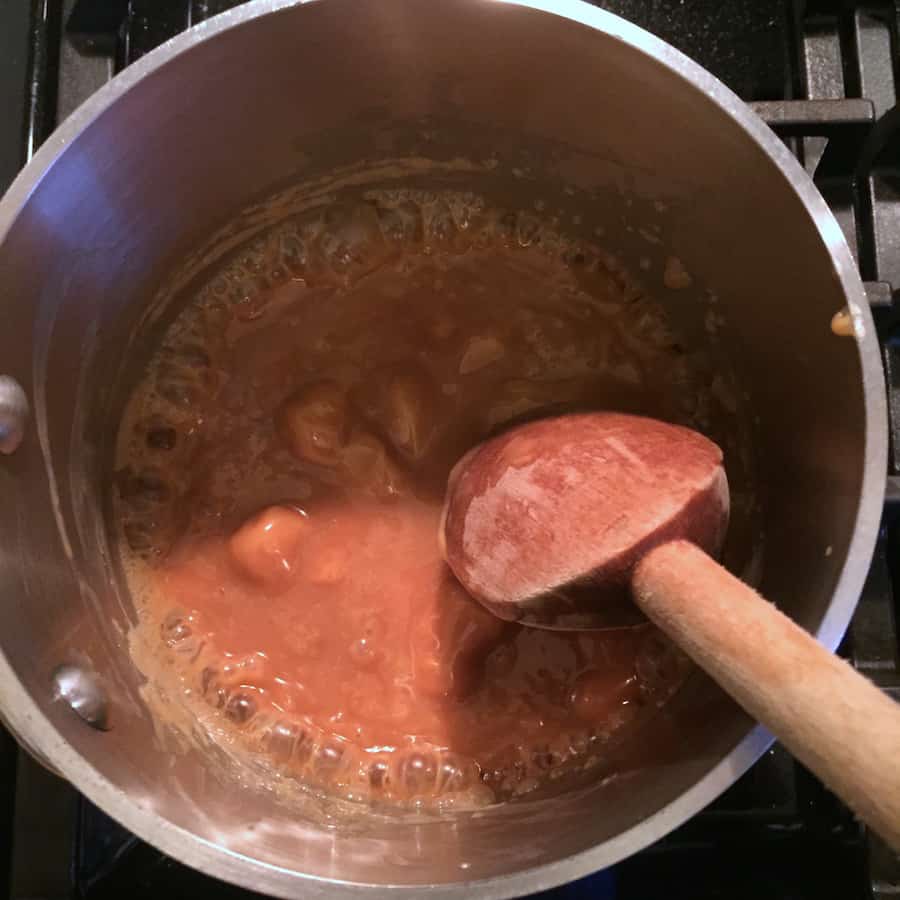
(13, 414)
(81, 690)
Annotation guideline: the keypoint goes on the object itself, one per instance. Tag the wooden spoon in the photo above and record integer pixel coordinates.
(589, 521)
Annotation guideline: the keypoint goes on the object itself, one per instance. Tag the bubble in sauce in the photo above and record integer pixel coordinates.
(675, 276)
(330, 761)
(401, 223)
(411, 411)
(265, 548)
(208, 680)
(379, 775)
(282, 738)
(312, 422)
(240, 707)
(528, 229)
(176, 628)
(455, 773)
(162, 437)
(294, 253)
(366, 462)
(145, 488)
(439, 227)
(418, 773)
(363, 653)
(352, 243)
(481, 351)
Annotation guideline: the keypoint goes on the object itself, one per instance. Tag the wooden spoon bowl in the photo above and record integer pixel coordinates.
(543, 524)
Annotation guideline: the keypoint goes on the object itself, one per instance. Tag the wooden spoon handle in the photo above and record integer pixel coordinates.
(828, 715)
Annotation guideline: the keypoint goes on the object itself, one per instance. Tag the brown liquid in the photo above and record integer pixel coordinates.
(280, 482)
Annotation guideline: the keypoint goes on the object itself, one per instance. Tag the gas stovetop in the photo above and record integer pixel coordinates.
(824, 74)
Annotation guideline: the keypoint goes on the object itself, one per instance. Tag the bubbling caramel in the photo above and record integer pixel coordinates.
(280, 476)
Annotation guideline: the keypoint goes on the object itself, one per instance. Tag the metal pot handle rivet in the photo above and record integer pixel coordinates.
(13, 414)
(81, 690)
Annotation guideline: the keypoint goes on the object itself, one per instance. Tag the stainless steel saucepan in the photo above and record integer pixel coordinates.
(548, 92)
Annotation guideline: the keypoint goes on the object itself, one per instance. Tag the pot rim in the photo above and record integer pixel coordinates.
(36, 731)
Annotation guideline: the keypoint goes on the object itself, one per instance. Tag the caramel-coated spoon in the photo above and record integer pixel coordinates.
(588, 521)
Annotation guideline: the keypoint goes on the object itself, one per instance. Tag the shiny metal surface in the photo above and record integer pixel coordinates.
(81, 690)
(13, 414)
(564, 94)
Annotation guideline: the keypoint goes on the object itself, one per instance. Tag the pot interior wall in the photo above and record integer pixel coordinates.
(300, 91)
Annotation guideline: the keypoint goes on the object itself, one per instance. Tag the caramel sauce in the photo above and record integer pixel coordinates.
(280, 474)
